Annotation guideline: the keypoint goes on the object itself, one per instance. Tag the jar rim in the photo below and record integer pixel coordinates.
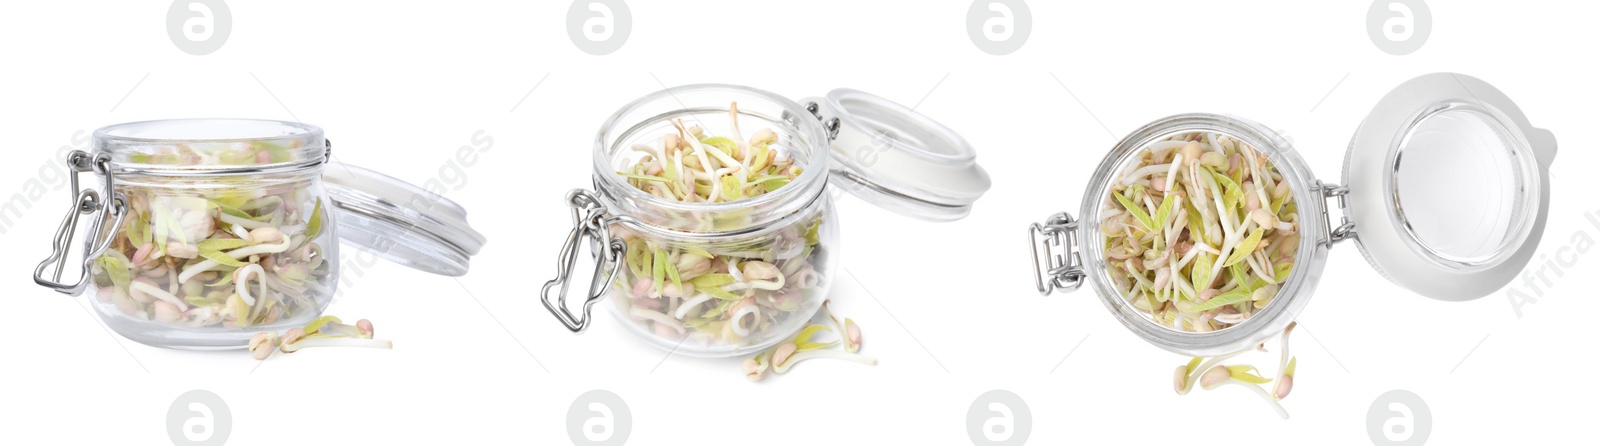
(118, 132)
(304, 146)
(1293, 292)
(815, 171)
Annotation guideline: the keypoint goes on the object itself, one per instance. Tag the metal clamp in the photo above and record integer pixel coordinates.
(589, 223)
(829, 124)
(84, 202)
(1346, 229)
(1057, 265)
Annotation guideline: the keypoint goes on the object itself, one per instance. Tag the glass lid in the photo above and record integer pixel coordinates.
(1448, 186)
(401, 222)
(898, 159)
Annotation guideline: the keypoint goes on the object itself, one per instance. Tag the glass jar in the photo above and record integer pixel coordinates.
(725, 278)
(206, 231)
(1445, 192)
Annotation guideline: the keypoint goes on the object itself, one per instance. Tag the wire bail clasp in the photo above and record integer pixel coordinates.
(106, 203)
(1346, 229)
(1057, 265)
(830, 125)
(589, 223)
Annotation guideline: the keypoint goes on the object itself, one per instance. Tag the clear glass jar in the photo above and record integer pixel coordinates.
(207, 231)
(749, 272)
(1294, 292)
(792, 228)
(1452, 130)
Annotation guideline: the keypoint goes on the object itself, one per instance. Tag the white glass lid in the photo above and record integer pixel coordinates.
(1448, 186)
(401, 222)
(898, 159)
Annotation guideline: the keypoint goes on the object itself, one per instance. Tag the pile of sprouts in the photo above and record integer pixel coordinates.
(232, 252)
(1200, 229)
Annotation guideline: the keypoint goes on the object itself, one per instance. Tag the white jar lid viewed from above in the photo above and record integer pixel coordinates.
(401, 222)
(898, 159)
(1448, 186)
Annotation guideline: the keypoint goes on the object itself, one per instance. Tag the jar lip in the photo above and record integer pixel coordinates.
(300, 146)
(111, 132)
(816, 169)
(1294, 292)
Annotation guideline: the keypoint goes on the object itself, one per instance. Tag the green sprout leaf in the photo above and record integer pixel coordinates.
(720, 293)
(241, 311)
(232, 211)
(773, 183)
(231, 199)
(117, 270)
(802, 340)
(721, 308)
(727, 146)
(1164, 211)
(314, 226)
(316, 324)
(1238, 295)
(221, 244)
(1281, 271)
(669, 169)
(697, 252)
(222, 279)
(1245, 248)
(672, 268)
(698, 322)
(638, 259)
(1247, 374)
(201, 301)
(658, 270)
(644, 177)
(159, 231)
(1197, 222)
(138, 230)
(1201, 273)
(712, 281)
(731, 188)
(220, 257)
(1138, 212)
(1239, 274)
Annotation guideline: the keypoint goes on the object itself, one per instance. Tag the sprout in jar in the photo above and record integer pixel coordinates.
(718, 293)
(1199, 231)
(234, 253)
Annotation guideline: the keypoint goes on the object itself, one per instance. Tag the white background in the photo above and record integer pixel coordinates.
(948, 309)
